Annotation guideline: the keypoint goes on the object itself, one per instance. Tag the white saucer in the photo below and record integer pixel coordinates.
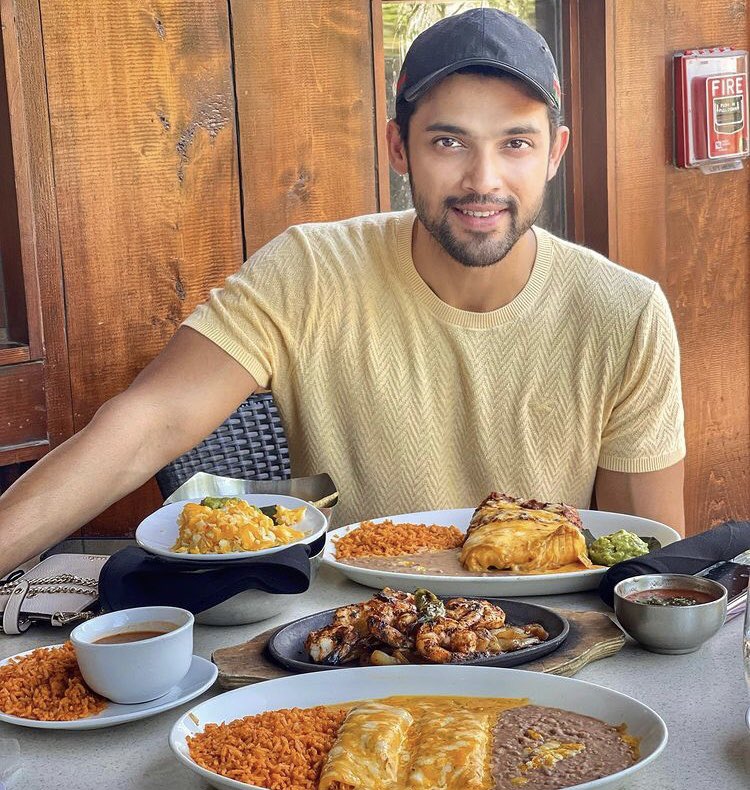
(747, 718)
(200, 676)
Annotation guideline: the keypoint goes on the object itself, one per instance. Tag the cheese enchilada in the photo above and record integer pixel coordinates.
(450, 752)
(367, 751)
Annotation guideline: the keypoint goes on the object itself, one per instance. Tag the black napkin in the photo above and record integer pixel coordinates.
(690, 556)
(133, 577)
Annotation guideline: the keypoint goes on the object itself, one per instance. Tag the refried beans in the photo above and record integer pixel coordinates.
(552, 749)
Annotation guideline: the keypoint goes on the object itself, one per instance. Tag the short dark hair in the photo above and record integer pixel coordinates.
(405, 109)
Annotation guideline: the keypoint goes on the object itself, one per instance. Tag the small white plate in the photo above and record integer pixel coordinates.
(376, 682)
(747, 718)
(598, 522)
(158, 532)
(200, 676)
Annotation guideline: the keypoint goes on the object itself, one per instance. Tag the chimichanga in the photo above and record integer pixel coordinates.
(523, 535)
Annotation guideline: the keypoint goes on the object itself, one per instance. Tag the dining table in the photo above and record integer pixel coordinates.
(702, 697)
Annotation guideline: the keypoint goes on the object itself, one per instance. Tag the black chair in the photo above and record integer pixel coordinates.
(250, 445)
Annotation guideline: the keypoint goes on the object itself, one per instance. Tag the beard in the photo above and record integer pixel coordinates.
(481, 249)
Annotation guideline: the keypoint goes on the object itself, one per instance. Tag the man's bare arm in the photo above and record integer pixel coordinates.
(655, 495)
(189, 389)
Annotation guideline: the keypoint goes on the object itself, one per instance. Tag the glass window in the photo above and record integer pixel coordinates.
(404, 21)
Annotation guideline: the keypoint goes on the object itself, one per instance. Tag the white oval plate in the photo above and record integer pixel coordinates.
(158, 532)
(600, 523)
(376, 682)
(200, 676)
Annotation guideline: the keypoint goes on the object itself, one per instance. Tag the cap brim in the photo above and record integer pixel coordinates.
(415, 91)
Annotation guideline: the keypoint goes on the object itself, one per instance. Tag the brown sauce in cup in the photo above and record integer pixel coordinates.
(670, 597)
(129, 636)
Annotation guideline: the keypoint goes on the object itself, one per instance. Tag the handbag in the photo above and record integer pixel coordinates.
(61, 589)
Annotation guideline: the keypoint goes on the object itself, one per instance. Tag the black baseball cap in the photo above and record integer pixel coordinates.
(479, 37)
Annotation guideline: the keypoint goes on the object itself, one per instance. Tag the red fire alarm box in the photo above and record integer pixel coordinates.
(711, 108)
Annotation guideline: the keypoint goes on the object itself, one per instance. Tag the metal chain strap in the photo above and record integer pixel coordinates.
(64, 583)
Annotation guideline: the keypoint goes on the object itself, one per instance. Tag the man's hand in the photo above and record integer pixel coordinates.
(186, 392)
(654, 495)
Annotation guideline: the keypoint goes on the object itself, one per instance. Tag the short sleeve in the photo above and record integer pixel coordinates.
(258, 316)
(645, 429)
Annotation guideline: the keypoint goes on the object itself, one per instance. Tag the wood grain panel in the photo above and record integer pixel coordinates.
(143, 136)
(708, 279)
(588, 79)
(37, 208)
(13, 353)
(23, 419)
(304, 77)
(691, 232)
(381, 111)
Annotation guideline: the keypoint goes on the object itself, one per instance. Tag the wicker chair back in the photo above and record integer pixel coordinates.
(249, 445)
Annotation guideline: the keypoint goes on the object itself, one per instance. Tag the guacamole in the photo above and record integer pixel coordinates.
(617, 547)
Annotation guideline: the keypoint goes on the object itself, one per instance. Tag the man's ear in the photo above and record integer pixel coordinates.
(397, 154)
(557, 149)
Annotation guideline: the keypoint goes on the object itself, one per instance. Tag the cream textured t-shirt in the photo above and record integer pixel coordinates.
(411, 404)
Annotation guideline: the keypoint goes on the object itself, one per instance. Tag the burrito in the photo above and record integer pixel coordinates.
(523, 536)
(367, 749)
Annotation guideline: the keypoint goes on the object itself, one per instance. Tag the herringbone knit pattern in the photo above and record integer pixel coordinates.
(411, 404)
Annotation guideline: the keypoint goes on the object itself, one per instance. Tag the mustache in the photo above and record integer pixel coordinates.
(509, 203)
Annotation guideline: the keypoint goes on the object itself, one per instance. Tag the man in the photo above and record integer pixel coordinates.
(422, 358)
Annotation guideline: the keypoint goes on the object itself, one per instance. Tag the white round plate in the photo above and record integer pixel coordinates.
(158, 532)
(376, 682)
(200, 676)
(600, 523)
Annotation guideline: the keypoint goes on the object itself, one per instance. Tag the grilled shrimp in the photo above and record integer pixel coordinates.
(353, 615)
(444, 640)
(395, 629)
(475, 613)
(333, 644)
(396, 599)
(391, 617)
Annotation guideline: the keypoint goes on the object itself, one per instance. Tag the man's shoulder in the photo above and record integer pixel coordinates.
(346, 244)
(368, 229)
(601, 283)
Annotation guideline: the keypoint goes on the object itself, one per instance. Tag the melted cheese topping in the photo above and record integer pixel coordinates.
(541, 541)
(547, 754)
(367, 748)
(450, 751)
(416, 743)
(236, 526)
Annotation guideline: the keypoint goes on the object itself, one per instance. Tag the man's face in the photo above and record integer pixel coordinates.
(479, 159)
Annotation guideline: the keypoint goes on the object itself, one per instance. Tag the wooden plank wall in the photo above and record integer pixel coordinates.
(691, 232)
(151, 208)
(141, 108)
(35, 198)
(305, 104)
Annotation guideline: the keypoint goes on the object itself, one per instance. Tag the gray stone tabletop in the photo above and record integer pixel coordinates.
(702, 697)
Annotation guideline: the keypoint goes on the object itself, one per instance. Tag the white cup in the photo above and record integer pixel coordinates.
(131, 672)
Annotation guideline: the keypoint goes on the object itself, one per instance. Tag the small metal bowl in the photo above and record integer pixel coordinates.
(670, 629)
(252, 606)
